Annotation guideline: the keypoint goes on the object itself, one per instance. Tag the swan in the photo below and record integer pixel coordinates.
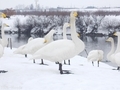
(19, 50)
(63, 49)
(4, 40)
(117, 52)
(114, 58)
(95, 55)
(32, 46)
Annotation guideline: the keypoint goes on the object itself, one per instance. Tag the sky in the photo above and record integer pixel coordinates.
(64, 3)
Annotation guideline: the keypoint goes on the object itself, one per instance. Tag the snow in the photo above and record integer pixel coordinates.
(23, 74)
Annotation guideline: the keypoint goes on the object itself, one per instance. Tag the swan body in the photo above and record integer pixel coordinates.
(60, 50)
(95, 55)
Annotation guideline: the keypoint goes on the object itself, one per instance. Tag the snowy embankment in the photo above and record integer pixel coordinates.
(23, 74)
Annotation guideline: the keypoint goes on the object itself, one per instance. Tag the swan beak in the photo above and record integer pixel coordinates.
(115, 34)
(68, 25)
(78, 34)
(107, 40)
(75, 14)
(3, 15)
(45, 41)
(7, 25)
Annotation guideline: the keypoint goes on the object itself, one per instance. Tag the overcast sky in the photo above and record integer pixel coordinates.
(64, 3)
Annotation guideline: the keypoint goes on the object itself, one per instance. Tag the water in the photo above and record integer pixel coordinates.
(91, 43)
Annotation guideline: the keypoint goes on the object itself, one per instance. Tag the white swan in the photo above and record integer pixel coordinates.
(117, 52)
(32, 46)
(4, 40)
(19, 50)
(2, 15)
(114, 58)
(60, 50)
(95, 55)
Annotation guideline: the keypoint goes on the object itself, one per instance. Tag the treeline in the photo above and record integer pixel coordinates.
(60, 12)
(88, 23)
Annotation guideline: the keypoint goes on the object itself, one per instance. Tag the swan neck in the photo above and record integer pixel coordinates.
(79, 44)
(112, 47)
(118, 45)
(73, 29)
(2, 31)
(64, 33)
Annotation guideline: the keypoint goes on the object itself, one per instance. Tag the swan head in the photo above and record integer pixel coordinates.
(73, 14)
(78, 34)
(49, 36)
(109, 39)
(116, 34)
(4, 24)
(2, 15)
(66, 25)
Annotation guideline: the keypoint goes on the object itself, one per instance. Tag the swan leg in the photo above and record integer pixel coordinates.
(118, 68)
(33, 60)
(98, 63)
(69, 62)
(42, 63)
(56, 62)
(25, 55)
(92, 63)
(10, 43)
(63, 71)
(3, 71)
(64, 62)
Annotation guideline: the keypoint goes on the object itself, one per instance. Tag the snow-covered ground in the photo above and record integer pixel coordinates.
(23, 74)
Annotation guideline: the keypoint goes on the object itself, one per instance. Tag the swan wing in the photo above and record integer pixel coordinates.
(20, 50)
(33, 45)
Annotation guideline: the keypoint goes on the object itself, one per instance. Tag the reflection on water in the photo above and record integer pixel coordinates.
(90, 42)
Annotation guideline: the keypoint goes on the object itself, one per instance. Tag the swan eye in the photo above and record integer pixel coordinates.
(3, 15)
(45, 41)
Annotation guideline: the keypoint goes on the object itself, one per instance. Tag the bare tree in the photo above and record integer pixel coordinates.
(36, 4)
